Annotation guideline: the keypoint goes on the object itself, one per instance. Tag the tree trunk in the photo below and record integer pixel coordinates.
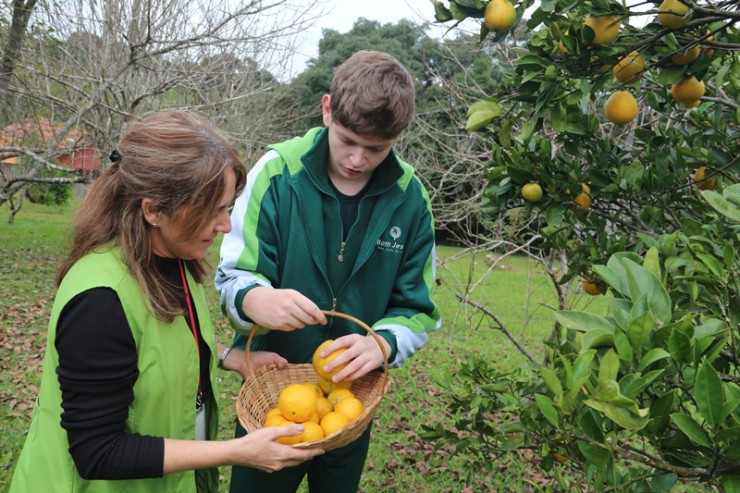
(12, 52)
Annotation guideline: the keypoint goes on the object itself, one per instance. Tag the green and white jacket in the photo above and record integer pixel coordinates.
(287, 233)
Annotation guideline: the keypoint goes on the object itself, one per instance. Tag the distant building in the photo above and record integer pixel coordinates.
(75, 151)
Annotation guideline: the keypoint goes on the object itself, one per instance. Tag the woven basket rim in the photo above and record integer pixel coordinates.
(254, 386)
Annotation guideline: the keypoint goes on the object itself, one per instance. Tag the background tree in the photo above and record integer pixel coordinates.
(641, 197)
(94, 65)
(447, 73)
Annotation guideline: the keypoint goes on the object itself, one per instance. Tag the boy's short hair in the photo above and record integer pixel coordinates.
(372, 94)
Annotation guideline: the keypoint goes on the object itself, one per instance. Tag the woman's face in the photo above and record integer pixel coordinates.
(170, 239)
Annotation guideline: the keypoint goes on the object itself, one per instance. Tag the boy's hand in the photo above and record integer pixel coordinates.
(281, 309)
(362, 356)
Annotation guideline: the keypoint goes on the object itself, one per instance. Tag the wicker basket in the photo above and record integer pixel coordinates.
(259, 393)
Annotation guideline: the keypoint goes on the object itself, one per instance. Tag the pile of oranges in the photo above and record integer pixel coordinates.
(323, 407)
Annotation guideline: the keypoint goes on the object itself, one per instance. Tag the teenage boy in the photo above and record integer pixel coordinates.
(334, 220)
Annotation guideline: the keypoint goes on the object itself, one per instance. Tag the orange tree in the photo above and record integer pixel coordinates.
(626, 117)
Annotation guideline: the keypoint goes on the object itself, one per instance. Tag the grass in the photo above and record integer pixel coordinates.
(515, 290)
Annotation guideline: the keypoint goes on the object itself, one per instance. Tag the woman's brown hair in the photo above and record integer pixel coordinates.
(180, 162)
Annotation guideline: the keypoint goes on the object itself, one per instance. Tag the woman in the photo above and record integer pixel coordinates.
(128, 397)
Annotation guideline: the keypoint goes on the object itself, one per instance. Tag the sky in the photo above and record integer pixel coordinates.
(342, 14)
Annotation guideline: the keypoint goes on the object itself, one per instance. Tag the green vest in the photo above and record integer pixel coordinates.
(164, 393)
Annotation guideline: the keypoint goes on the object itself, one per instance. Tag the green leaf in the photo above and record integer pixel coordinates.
(619, 415)
(554, 215)
(679, 346)
(660, 413)
(727, 203)
(552, 381)
(609, 391)
(712, 264)
(640, 329)
(441, 13)
(651, 357)
(548, 409)
(663, 483)
(652, 262)
(581, 372)
(597, 338)
(729, 407)
(709, 394)
(710, 327)
(481, 118)
(643, 283)
(608, 366)
(483, 104)
(583, 321)
(731, 482)
(691, 429)
(504, 136)
(624, 349)
(632, 385)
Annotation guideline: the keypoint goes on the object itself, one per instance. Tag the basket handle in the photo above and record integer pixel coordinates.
(333, 314)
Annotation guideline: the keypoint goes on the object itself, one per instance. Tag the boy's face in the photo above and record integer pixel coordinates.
(352, 157)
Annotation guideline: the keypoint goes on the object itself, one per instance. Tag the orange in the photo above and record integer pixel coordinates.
(323, 407)
(499, 15)
(532, 192)
(686, 57)
(605, 27)
(350, 407)
(333, 422)
(327, 385)
(583, 199)
(687, 91)
(337, 395)
(311, 432)
(297, 402)
(590, 287)
(290, 440)
(630, 68)
(673, 14)
(621, 108)
(273, 412)
(704, 183)
(315, 387)
(276, 420)
(319, 363)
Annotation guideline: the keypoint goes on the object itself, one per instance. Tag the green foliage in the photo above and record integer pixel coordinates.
(647, 391)
(648, 394)
(50, 193)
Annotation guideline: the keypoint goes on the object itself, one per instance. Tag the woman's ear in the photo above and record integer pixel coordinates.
(152, 213)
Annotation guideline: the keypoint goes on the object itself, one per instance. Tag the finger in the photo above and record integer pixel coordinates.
(285, 431)
(309, 313)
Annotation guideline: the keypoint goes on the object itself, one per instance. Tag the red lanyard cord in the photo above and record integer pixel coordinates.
(190, 312)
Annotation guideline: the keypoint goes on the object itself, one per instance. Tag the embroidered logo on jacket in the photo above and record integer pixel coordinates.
(391, 246)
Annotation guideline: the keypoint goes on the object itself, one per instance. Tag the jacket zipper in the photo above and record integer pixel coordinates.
(342, 246)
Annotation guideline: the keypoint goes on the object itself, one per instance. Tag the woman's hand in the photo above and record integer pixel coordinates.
(362, 356)
(281, 309)
(236, 361)
(261, 451)
(257, 449)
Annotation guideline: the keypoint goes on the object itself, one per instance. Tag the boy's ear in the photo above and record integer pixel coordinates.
(326, 109)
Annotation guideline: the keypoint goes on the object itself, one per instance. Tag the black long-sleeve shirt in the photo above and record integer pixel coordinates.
(97, 371)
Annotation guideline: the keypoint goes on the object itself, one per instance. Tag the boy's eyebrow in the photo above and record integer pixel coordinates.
(348, 138)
